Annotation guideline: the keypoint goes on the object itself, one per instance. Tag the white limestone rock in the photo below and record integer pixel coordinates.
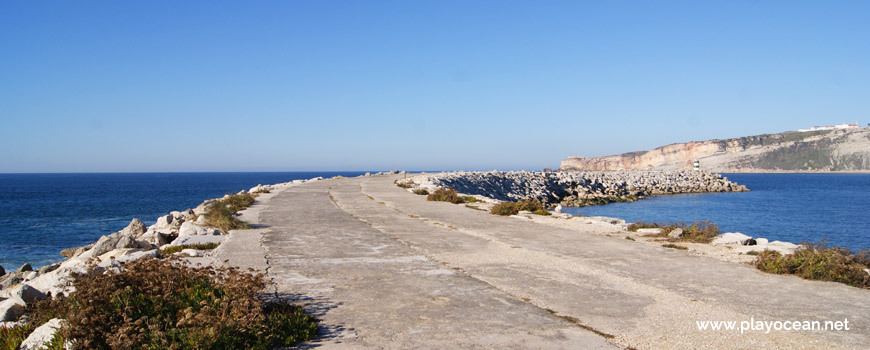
(132, 256)
(42, 335)
(649, 231)
(11, 308)
(675, 233)
(191, 229)
(731, 238)
(26, 293)
(164, 222)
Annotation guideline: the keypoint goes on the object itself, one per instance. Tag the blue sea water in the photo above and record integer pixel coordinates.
(785, 207)
(41, 214)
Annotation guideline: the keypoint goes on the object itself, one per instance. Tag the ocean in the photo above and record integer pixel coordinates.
(785, 207)
(42, 214)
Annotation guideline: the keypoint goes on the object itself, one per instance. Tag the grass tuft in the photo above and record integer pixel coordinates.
(421, 191)
(222, 213)
(513, 208)
(818, 261)
(445, 195)
(165, 304)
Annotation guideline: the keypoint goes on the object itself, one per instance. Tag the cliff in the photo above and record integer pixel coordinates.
(827, 150)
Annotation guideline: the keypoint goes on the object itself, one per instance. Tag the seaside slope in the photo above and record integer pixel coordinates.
(384, 268)
(825, 150)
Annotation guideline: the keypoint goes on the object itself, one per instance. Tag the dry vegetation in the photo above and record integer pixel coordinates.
(818, 261)
(177, 248)
(513, 208)
(445, 195)
(164, 304)
(222, 213)
(696, 232)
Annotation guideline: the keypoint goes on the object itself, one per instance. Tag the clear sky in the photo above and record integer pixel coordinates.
(94, 86)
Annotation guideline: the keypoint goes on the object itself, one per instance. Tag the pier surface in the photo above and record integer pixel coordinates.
(383, 268)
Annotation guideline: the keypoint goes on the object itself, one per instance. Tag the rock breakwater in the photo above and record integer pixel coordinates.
(575, 188)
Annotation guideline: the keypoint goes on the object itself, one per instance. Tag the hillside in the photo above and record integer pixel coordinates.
(828, 150)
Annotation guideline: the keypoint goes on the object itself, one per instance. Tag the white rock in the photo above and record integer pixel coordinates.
(42, 335)
(200, 220)
(26, 293)
(192, 252)
(558, 209)
(164, 221)
(676, 233)
(30, 275)
(156, 237)
(11, 308)
(128, 258)
(729, 238)
(653, 231)
(191, 229)
(761, 241)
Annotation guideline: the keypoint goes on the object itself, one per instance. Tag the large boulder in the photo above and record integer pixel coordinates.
(676, 233)
(135, 228)
(11, 279)
(26, 293)
(11, 308)
(25, 268)
(156, 237)
(42, 335)
(121, 239)
(48, 268)
(164, 222)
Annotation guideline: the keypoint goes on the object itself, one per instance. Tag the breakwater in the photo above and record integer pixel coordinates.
(576, 188)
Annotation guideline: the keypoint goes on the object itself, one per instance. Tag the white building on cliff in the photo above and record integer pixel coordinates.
(834, 127)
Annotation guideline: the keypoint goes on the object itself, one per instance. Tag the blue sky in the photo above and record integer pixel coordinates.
(360, 85)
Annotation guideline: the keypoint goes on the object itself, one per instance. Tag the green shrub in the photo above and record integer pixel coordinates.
(11, 338)
(421, 191)
(818, 261)
(222, 213)
(177, 248)
(445, 195)
(404, 184)
(165, 304)
(513, 208)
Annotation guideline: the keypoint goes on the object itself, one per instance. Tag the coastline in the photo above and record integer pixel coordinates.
(258, 248)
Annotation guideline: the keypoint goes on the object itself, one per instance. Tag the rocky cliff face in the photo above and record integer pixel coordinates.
(830, 150)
